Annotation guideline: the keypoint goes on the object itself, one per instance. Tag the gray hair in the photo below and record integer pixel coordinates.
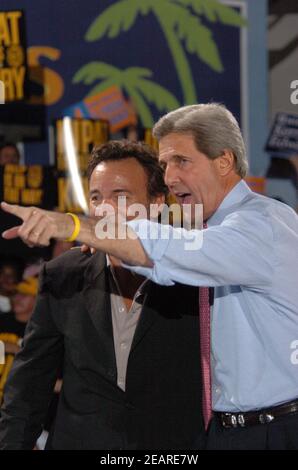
(213, 127)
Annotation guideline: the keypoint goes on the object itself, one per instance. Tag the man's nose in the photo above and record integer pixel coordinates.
(171, 175)
(108, 201)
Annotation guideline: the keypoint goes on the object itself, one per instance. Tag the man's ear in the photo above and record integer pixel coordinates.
(225, 163)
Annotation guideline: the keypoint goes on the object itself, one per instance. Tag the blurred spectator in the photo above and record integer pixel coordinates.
(9, 153)
(294, 160)
(11, 270)
(282, 180)
(13, 324)
(12, 329)
(24, 299)
(32, 270)
(132, 133)
(283, 168)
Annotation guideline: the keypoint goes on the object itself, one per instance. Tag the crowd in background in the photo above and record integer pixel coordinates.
(18, 291)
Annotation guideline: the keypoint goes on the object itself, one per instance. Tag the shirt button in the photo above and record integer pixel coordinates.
(217, 390)
(121, 309)
(120, 381)
(123, 345)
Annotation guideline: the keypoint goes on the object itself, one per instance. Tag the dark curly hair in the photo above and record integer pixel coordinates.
(146, 156)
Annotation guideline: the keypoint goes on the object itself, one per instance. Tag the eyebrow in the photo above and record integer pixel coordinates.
(93, 191)
(118, 190)
(123, 190)
(176, 156)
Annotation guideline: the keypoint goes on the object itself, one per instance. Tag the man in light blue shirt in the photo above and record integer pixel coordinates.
(248, 253)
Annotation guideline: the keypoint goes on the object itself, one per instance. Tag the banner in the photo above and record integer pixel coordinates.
(13, 63)
(109, 105)
(283, 138)
(32, 185)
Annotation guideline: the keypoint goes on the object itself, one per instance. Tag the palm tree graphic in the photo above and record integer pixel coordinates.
(134, 81)
(180, 21)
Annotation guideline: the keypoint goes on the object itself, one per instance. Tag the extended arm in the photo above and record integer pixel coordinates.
(39, 226)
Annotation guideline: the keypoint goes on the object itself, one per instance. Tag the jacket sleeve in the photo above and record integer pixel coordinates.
(31, 381)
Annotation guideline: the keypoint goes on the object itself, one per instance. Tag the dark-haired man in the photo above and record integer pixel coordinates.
(130, 348)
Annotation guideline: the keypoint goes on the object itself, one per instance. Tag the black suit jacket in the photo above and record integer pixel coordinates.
(71, 323)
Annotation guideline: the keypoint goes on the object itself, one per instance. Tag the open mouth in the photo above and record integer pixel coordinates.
(183, 198)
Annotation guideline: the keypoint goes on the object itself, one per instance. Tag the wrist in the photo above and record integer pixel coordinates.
(73, 228)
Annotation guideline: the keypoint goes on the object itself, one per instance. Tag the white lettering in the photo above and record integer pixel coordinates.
(110, 460)
(294, 355)
(294, 95)
(2, 353)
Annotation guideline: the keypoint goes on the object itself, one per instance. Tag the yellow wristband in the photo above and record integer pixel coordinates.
(77, 227)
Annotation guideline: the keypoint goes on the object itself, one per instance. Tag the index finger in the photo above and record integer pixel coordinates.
(21, 212)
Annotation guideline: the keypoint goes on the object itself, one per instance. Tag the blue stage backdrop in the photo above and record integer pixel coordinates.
(155, 54)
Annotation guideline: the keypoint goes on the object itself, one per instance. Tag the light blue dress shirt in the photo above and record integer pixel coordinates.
(249, 253)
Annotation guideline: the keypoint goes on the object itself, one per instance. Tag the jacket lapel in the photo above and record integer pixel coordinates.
(148, 316)
(97, 301)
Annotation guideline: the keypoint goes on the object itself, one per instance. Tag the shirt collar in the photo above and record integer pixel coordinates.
(234, 197)
(140, 290)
